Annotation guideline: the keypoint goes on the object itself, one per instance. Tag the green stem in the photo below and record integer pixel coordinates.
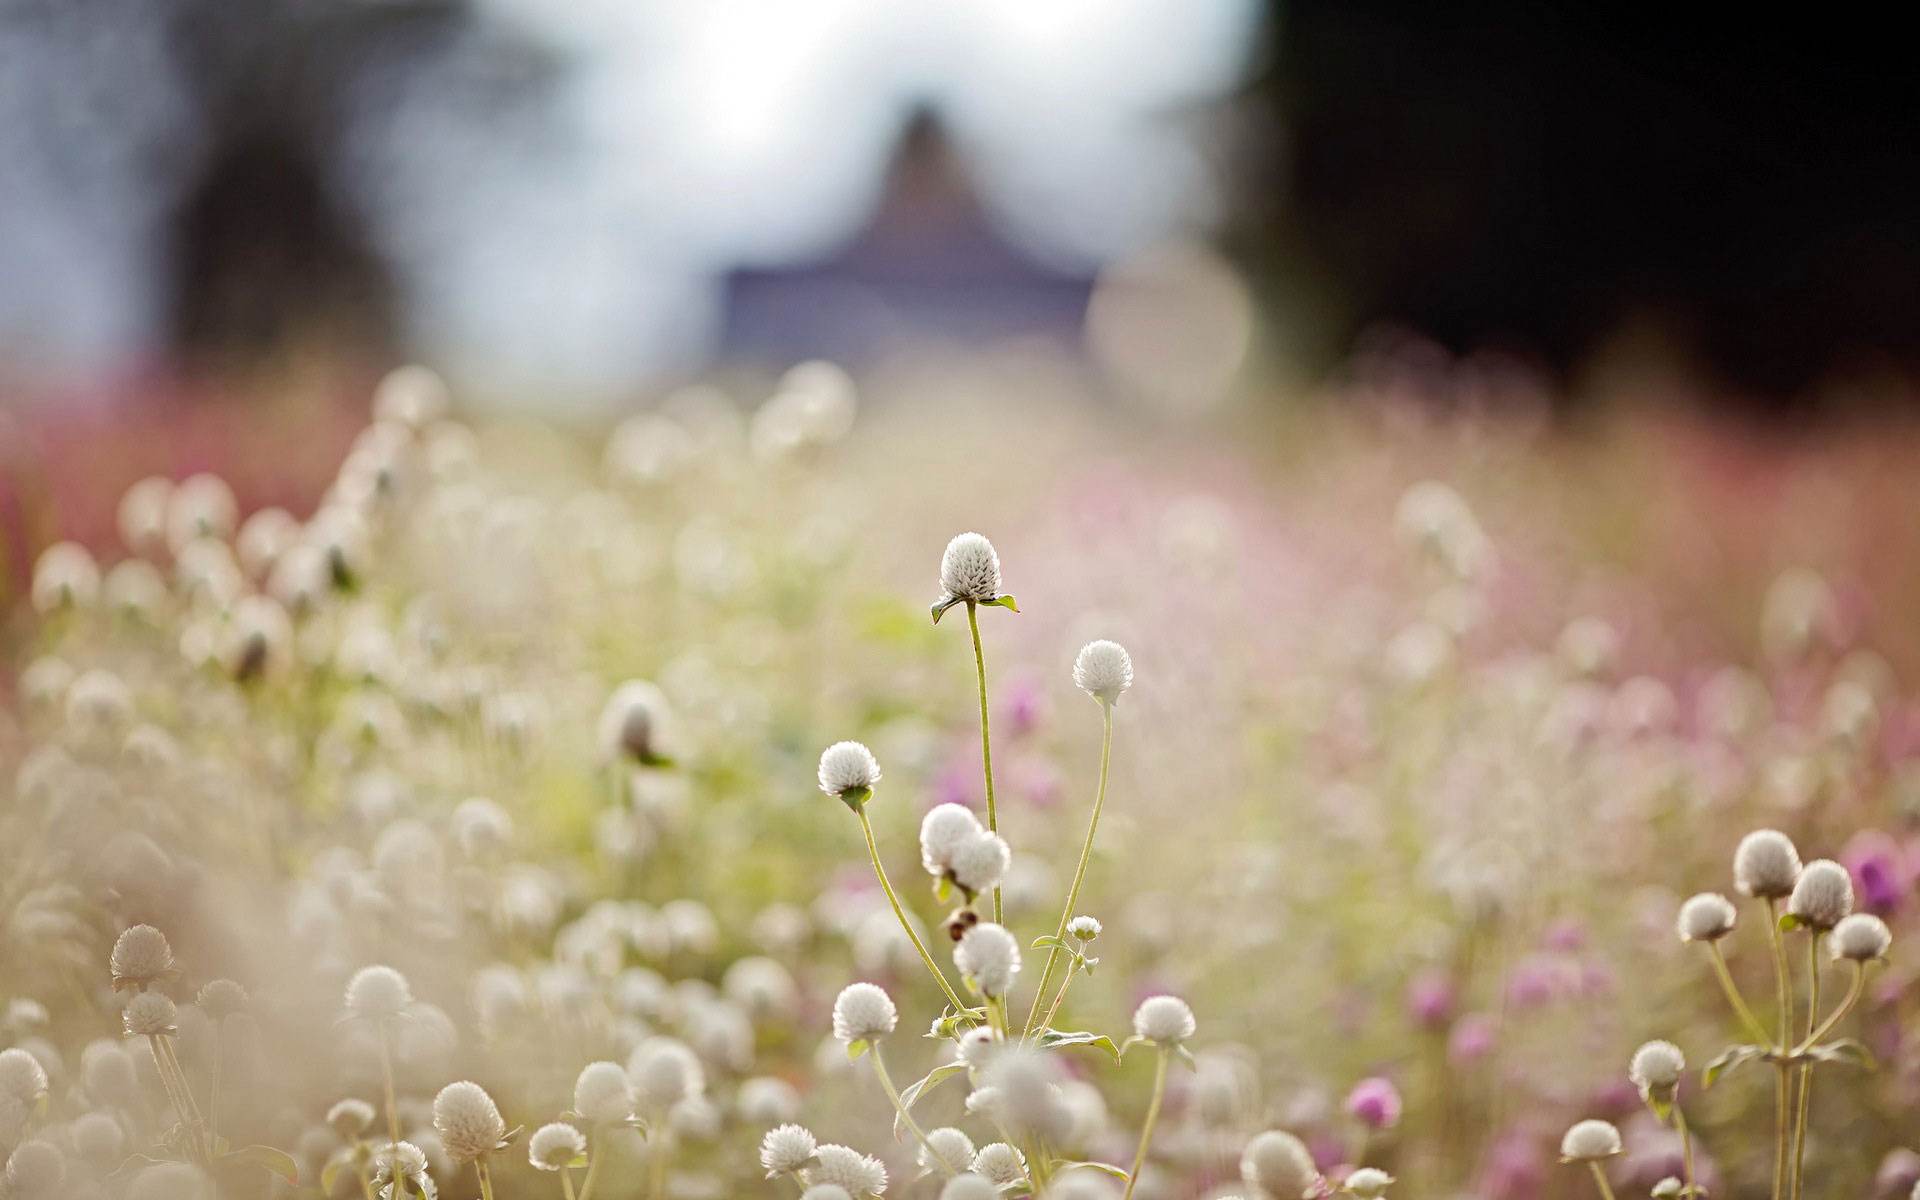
(1600, 1180)
(566, 1183)
(880, 872)
(657, 1147)
(1686, 1149)
(899, 1106)
(1806, 1068)
(486, 1177)
(1782, 1073)
(986, 740)
(596, 1154)
(366, 1181)
(1079, 873)
(1146, 1127)
(213, 1088)
(1058, 997)
(1754, 1029)
(1854, 991)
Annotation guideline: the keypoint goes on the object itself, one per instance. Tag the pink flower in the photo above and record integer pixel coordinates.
(1375, 1103)
(1472, 1039)
(1430, 999)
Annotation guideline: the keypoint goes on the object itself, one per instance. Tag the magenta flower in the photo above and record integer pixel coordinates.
(1375, 1103)
(1880, 877)
(1430, 999)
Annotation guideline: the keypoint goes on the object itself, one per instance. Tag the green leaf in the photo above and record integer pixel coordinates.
(1054, 1038)
(1789, 922)
(1068, 1164)
(1130, 1043)
(330, 1174)
(856, 1048)
(921, 1086)
(1730, 1059)
(942, 888)
(277, 1161)
(1041, 943)
(1846, 1050)
(1003, 602)
(941, 606)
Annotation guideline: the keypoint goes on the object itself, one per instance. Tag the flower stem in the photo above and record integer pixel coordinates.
(1806, 1068)
(486, 1177)
(657, 1148)
(1686, 1149)
(1782, 1073)
(880, 872)
(899, 1106)
(1600, 1180)
(1079, 873)
(1153, 1114)
(566, 1183)
(1854, 991)
(1754, 1029)
(596, 1154)
(1053, 1009)
(986, 739)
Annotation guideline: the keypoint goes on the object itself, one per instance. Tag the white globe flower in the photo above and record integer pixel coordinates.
(467, 1120)
(1590, 1141)
(602, 1093)
(1823, 895)
(1277, 1164)
(149, 1014)
(554, 1147)
(1000, 1164)
(848, 767)
(863, 1012)
(1656, 1067)
(785, 1149)
(1861, 937)
(1707, 917)
(1765, 864)
(969, 1186)
(1103, 670)
(989, 956)
(981, 861)
(141, 956)
(948, 1150)
(970, 569)
(942, 832)
(844, 1167)
(1165, 1020)
(378, 992)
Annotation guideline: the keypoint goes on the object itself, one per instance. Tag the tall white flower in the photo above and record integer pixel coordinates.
(65, 576)
(847, 1168)
(1103, 670)
(149, 1014)
(1765, 864)
(1164, 1020)
(1707, 917)
(1590, 1141)
(944, 829)
(1861, 937)
(350, 1118)
(602, 1093)
(467, 1120)
(1277, 1164)
(863, 1012)
(948, 1150)
(981, 861)
(1823, 895)
(21, 1075)
(555, 1146)
(848, 767)
(785, 1149)
(969, 1186)
(1000, 1164)
(141, 956)
(990, 957)
(664, 1072)
(970, 569)
(378, 992)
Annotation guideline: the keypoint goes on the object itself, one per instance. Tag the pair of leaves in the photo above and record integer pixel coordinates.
(939, 607)
(1846, 1051)
(1078, 960)
(947, 1026)
(920, 1087)
(1052, 1039)
(1068, 1164)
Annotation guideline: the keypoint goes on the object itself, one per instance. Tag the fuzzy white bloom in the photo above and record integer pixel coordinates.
(633, 721)
(1590, 1141)
(65, 576)
(221, 998)
(786, 1148)
(1707, 917)
(602, 1093)
(553, 1147)
(976, 1045)
(1765, 864)
(1000, 1164)
(764, 1098)
(35, 1168)
(664, 1072)
(847, 1168)
(1083, 928)
(948, 1150)
(981, 861)
(1166, 1020)
(825, 1191)
(481, 827)
(989, 956)
(970, 569)
(378, 991)
(1823, 895)
(1277, 1164)
(1370, 1183)
(1861, 937)
(411, 395)
(467, 1120)
(171, 1181)
(350, 1118)
(944, 829)
(1103, 670)
(21, 1075)
(141, 955)
(846, 767)
(761, 986)
(862, 1012)
(149, 1014)
(1656, 1067)
(107, 1074)
(98, 1136)
(406, 1160)
(969, 1186)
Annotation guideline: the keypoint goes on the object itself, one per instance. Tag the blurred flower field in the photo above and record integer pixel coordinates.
(501, 763)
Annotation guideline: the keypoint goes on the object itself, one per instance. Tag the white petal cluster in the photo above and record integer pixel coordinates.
(1590, 1141)
(1277, 1164)
(1765, 864)
(1656, 1066)
(1166, 1020)
(846, 767)
(552, 1147)
(970, 569)
(602, 1093)
(1823, 895)
(1861, 937)
(141, 955)
(989, 956)
(944, 829)
(1000, 1164)
(981, 861)
(844, 1167)
(1707, 917)
(467, 1120)
(149, 1014)
(863, 1012)
(377, 992)
(786, 1148)
(948, 1150)
(1103, 670)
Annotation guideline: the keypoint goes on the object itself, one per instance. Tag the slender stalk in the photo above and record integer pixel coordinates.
(596, 1154)
(386, 1078)
(566, 1183)
(657, 1147)
(1782, 1073)
(1146, 1127)
(366, 1180)
(213, 1088)
(1059, 996)
(1806, 1068)
(1686, 1148)
(1854, 991)
(880, 872)
(986, 739)
(1752, 1023)
(486, 1177)
(1600, 1180)
(182, 1104)
(899, 1106)
(1079, 872)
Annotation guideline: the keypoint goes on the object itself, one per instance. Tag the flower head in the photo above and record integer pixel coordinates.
(141, 956)
(1277, 1164)
(664, 1072)
(825, 1191)
(848, 767)
(970, 569)
(981, 861)
(1103, 670)
(988, 956)
(847, 1168)
(948, 1150)
(22, 1077)
(863, 1012)
(1707, 917)
(1590, 1141)
(350, 1118)
(467, 1120)
(553, 1147)
(944, 829)
(1369, 1183)
(378, 991)
(1823, 895)
(1083, 929)
(222, 998)
(632, 721)
(602, 1093)
(149, 1014)
(1765, 864)
(1166, 1020)
(968, 1186)
(1375, 1103)
(1000, 1164)
(785, 1149)
(1655, 1069)
(1860, 937)
(35, 1168)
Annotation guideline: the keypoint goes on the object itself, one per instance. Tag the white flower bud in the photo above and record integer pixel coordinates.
(149, 1014)
(948, 1151)
(21, 1076)
(847, 767)
(989, 956)
(1083, 929)
(553, 1147)
(863, 1012)
(378, 992)
(1707, 917)
(1861, 937)
(35, 1168)
(602, 1093)
(981, 861)
(1277, 1164)
(664, 1072)
(1103, 670)
(1000, 1164)
(1823, 895)
(785, 1149)
(1166, 1020)
(977, 1045)
(467, 1120)
(350, 1118)
(65, 576)
(944, 829)
(843, 1167)
(97, 1136)
(970, 569)
(969, 1186)
(1765, 864)
(1656, 1067)
(1369, 1183)
(1590, 1141)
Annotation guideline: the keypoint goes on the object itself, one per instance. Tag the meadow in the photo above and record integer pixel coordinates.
(790, 795)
